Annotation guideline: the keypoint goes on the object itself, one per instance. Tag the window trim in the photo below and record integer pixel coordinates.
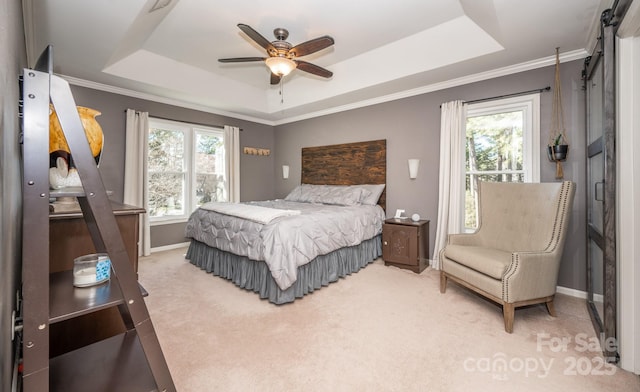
(189, 130)
(529, 103)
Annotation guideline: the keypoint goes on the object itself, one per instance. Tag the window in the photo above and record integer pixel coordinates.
(185, 169)
(502, 144)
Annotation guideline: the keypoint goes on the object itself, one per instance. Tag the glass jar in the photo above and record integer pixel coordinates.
(90, 270)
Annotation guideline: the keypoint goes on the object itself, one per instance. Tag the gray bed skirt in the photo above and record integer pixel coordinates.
(255, 275)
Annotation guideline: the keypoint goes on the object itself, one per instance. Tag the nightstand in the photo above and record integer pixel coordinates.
(405, 244)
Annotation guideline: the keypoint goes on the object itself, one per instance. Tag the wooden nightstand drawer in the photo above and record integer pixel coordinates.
(405, 243)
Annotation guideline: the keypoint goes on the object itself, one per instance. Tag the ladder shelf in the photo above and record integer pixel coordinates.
(132, 360)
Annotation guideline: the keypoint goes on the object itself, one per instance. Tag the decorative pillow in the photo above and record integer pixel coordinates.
(295, 194)
(343, 195)
(375, 190)
(305, 193)
(328, 194)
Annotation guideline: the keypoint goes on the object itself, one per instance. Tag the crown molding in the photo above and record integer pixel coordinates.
(504, 71)
(526, 66)
(155, 98)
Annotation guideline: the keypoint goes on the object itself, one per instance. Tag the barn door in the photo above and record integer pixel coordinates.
(599, 77)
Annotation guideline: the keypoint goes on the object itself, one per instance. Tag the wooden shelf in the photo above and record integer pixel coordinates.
(118, 209)
(67, 192)
(114, 364)
(67, 301)
(71, 191)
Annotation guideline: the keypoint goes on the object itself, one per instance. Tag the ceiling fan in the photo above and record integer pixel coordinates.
(282, 55)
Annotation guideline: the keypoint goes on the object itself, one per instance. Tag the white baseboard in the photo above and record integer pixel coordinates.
(578, 293)
(170, 247)
(571, 292)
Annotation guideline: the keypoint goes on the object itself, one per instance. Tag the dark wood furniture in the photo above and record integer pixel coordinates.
(405, 244)
(69, 238)
(128, 361)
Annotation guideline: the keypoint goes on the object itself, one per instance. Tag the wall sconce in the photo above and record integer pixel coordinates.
(413, 168)
(285, 171)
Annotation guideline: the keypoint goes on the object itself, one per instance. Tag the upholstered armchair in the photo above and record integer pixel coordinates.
(514, 256)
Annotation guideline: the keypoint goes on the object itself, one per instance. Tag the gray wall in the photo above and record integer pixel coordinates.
(412, 129)
(12, 61)
(255, 172)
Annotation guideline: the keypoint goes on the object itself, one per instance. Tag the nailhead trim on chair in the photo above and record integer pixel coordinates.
(557, 226)
(515, 259)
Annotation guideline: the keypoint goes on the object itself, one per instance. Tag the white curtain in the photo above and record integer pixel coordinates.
(232, 154)
(451, 183)
(135, 169)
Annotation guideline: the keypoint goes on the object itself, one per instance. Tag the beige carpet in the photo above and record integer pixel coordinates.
(381, 329)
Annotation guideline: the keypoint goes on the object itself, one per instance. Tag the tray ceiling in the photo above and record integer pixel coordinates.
(383, 50)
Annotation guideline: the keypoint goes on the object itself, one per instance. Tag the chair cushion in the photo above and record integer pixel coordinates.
(491, 262)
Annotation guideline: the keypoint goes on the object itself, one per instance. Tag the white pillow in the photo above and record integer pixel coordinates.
(375, 190)
(328, 194)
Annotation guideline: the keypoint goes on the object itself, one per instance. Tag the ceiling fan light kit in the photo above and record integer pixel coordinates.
(280, 66)
(282, 56)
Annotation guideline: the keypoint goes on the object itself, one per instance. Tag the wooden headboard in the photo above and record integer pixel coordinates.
(347, 164)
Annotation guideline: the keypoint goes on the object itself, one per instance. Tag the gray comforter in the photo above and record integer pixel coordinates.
(287, 242)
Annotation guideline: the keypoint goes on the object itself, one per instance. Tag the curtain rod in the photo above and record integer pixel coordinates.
(190, 122)
(538, 90)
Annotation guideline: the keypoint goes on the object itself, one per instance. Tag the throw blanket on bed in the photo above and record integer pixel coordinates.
(251, 212)
(291, 241)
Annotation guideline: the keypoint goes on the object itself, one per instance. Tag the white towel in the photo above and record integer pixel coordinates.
(254, 213)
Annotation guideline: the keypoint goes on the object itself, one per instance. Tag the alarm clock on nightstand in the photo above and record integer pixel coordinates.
(415, 217)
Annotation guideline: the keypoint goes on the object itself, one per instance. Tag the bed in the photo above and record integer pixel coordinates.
(328, 227)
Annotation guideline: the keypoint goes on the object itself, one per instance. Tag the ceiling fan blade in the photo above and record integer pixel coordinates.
(241, 59)
(275, 79)
(258, 38)
(313, 69)
(311, 46)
